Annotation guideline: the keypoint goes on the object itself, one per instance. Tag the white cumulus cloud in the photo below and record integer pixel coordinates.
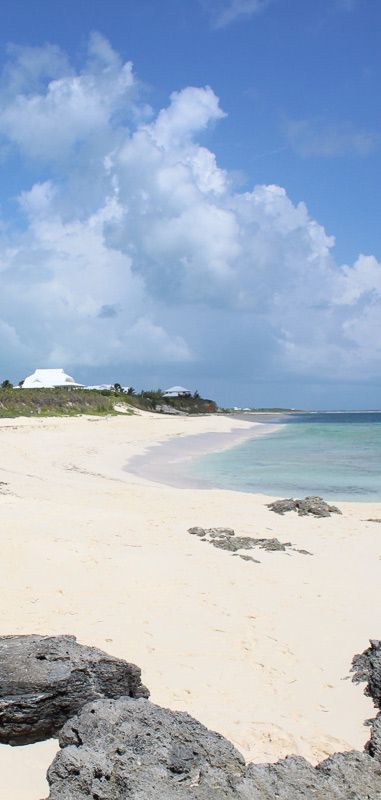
(138, 250)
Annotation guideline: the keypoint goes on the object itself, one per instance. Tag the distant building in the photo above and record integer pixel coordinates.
(177, 391)
(100, 386)
(109, 386)
(50, 379)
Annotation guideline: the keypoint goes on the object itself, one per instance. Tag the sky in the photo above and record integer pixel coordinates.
(190, 194)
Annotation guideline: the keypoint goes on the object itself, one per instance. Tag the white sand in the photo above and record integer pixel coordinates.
(258, 652)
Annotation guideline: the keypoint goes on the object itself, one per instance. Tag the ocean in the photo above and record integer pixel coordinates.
(336, 455)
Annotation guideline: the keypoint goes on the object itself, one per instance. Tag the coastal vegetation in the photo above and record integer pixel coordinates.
(71, 402)
(53, 402)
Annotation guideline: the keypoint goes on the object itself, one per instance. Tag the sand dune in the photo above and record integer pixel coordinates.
(259, 652)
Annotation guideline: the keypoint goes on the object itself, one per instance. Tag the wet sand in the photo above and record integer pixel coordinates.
(170, 462)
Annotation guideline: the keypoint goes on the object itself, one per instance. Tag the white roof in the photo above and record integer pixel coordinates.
(100, 386)
(177, 389)
(106, 386)
(48, 379)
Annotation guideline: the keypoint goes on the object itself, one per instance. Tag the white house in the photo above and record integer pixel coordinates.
(100, 386)
(177, 391)
(50, 379)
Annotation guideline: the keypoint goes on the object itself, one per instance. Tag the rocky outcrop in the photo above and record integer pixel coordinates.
(343, 776)
(135, 750)
(367, 667)
(226, 539)
(310, 505)
(45, 680)
(123, 747)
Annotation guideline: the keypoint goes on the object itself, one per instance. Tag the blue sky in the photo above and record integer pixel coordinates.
(190, 194)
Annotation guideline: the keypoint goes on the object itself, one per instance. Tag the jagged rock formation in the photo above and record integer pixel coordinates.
(45, 680)
(226, 539)
(130, 749)
(135, 750)
(367, 667)
(315, 506)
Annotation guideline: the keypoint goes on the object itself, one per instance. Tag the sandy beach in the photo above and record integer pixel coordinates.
(258, 652)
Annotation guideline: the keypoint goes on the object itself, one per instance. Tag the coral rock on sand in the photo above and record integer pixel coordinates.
(44, 680)
(367, 667)
(131, 749)
(134, 749)
(121, 749)
(310, 505)
(225, 539)
(124, 749)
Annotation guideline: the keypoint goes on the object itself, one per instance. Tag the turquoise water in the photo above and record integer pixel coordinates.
(334, 455)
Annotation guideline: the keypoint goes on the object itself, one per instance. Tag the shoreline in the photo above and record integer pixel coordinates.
(259, 652)
(168, 462)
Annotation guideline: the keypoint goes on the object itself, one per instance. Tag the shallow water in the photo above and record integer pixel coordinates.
(335, 455)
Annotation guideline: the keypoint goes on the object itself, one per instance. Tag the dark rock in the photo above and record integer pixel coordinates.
(134, 750)
(367, 667)
(245, 542)
(273, 544)
(45, 680)
(373, 747)
(114, 750)
(315, 506)
(246, 558)
(126, 748)
(197, 531)
(352, 775)
(225, 539)
(373, 520)
(225, 544)
(344, 776)
(211, 532)
(236, 543)
(303, 552)
(281, 506)
(310, 505)
(220, 531)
